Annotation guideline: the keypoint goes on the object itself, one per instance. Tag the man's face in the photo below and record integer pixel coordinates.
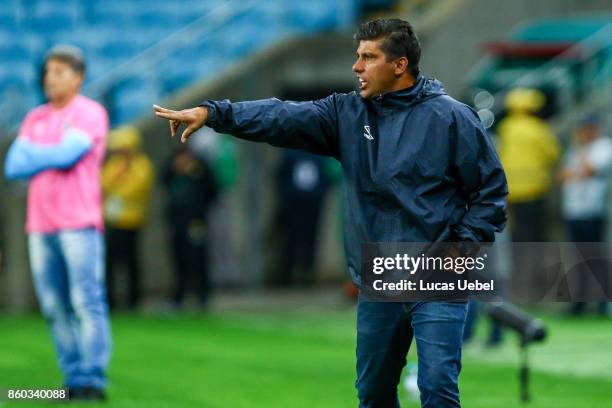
(60, 80)
(376, 75)
(587, 133)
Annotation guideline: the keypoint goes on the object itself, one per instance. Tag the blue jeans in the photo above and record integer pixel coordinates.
(384, 333)
(68, 272)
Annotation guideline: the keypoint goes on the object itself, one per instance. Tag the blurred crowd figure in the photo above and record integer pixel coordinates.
(301, 184)
(584, 178)
(529, 150)
(191, 191)
(221, 152)
(127, 181)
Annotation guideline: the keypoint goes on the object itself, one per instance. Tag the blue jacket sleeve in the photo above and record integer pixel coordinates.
(483, 181)
(25, 159)
(311, 126)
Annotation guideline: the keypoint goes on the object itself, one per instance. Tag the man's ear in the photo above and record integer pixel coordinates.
(81, 80)
(401, 66)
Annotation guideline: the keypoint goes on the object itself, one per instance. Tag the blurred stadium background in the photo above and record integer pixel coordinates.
(291, 347)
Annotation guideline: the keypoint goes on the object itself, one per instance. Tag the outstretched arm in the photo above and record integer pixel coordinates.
(309, 125)
(25, 159)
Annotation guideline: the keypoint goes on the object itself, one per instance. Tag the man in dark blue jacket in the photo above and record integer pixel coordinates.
(418, 167)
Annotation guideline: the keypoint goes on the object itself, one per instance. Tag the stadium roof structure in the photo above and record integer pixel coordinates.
(546, 52)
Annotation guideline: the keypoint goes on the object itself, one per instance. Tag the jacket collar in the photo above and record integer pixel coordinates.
(424, 88)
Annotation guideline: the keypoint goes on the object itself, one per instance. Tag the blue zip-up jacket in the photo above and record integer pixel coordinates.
(418, 165)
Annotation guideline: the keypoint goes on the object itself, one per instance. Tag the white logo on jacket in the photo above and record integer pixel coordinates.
(367, 133)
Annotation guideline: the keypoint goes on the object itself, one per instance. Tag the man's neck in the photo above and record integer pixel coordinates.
(61, 103)
(404, 82)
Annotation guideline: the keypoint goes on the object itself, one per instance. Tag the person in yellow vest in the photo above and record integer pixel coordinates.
(127, 180)
(529, 150)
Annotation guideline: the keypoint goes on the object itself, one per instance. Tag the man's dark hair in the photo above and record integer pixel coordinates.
(399, 40)
(68, 54)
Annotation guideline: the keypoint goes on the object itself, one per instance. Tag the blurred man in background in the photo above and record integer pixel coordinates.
(127, 180)
(418, 167)
(192, 189)
(528, 149)
(60, 148)
(584, 178)
(302, 184)
(220, 152)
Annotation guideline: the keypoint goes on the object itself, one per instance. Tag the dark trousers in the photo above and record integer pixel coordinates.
(189, 247)
(298, 225)
(384, 333)
(589, 230)
(298, 254)
(529, 221)
(122, 248)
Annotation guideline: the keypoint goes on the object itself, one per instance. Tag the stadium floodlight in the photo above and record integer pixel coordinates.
(529, 328)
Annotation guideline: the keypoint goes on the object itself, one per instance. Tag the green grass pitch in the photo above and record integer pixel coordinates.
(298, 359)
